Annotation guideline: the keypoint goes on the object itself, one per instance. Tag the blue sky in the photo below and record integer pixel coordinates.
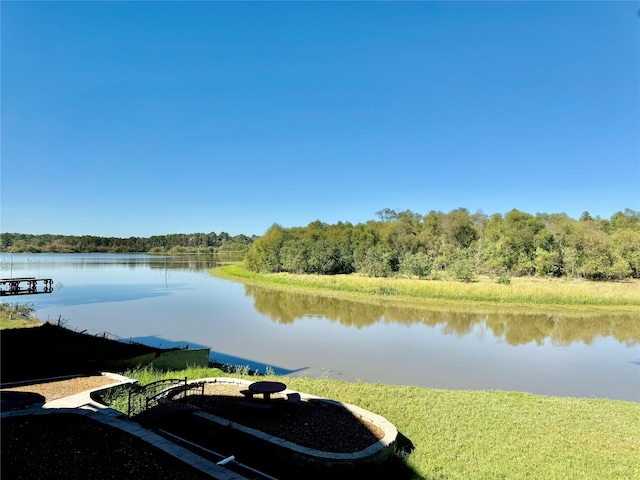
(143, 118)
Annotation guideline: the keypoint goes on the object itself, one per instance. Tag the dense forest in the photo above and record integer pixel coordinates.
(172, 243)
(458, 245)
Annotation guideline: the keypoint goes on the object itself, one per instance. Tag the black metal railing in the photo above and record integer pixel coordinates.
(161, 397)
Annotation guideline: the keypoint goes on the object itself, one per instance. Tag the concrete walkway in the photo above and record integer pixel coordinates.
(83, 404)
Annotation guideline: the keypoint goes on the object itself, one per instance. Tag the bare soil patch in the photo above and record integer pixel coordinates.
(64, 388)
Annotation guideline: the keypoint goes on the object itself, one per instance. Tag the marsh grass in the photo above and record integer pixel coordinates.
(532, 293)
(461, 434)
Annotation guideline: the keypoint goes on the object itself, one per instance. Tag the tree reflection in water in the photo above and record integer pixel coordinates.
(513, 328)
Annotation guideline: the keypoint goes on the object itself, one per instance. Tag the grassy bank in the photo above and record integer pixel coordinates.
(528, 293)
(17, 316)
(479, 435)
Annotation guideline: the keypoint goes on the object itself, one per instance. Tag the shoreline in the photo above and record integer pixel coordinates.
(453, 296)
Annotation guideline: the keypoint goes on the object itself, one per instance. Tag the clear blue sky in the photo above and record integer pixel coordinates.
(136, 119)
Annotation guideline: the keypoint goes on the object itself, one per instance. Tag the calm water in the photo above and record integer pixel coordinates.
(169, 301)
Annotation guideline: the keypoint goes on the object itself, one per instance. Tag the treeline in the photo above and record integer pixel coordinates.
(171, 243)
(458, 245)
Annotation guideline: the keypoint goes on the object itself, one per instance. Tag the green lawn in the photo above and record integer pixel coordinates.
(17, 315)
(463, 434)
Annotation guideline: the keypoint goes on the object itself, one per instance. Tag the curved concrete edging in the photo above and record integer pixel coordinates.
(374, 453)
(85, 399)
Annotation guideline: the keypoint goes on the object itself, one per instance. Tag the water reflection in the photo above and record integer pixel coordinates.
(514, 329)
(46, 262)
(173, 299)
(106, 293)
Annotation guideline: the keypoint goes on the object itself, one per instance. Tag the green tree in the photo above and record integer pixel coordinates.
(402, 235)
(378, 261)
(418, 264)
(431, 235)
(594, 254)
(459, 228)
(386, 215)
(340, 237)
(626, 242)
(461, 269)
(548, 255)
(627, 220)
(293, 256)
(323, 258)
(510, 242)
(264, 256)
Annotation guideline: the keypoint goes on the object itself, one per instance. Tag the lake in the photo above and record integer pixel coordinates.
(174, 301)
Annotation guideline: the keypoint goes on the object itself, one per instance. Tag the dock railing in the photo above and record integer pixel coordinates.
(25, 286)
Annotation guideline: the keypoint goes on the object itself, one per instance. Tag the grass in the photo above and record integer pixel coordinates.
(461, 434)
(17, 316)
(527, 292)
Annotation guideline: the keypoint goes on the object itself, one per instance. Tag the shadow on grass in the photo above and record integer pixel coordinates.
(50, 350)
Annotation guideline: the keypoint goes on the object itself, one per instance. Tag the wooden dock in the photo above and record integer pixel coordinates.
(25, 286)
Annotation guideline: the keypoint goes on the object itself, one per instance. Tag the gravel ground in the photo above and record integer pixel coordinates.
(73, 447)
